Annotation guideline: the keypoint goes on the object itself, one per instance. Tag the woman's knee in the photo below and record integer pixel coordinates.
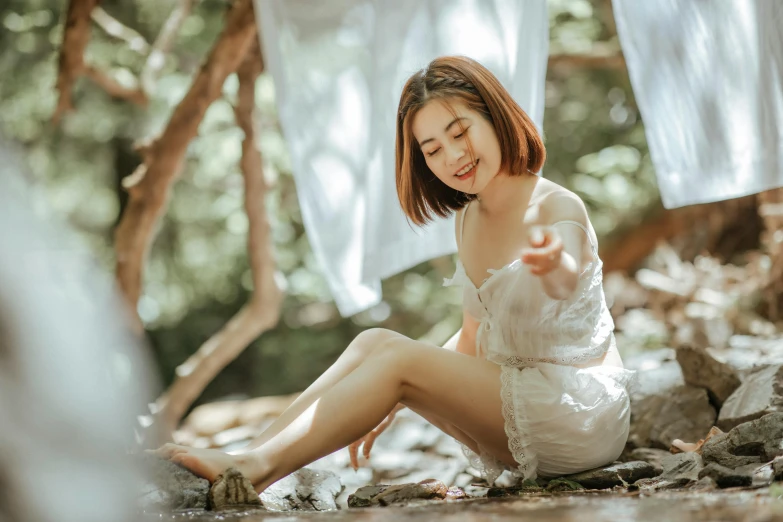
(371, 341)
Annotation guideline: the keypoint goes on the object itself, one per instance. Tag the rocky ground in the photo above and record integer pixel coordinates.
(710, 371)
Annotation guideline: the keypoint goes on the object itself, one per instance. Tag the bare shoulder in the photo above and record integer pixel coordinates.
(560, 204)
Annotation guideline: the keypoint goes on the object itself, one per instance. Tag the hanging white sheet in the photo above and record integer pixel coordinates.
(708, 79)
(338, 68)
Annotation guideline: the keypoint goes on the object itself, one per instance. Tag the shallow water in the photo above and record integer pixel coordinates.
(729, 506)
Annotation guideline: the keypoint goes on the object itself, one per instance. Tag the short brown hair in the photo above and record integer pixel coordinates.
(522, 151)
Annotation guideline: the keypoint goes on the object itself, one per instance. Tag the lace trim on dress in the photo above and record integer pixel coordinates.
(516, 426)
(583, 356)
(488, 466)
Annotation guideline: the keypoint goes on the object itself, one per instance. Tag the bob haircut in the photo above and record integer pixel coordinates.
(458, 78)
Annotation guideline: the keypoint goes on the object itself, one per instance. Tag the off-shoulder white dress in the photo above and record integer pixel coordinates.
(559, 419)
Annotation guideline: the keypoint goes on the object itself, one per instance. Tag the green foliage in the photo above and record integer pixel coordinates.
(198, 274)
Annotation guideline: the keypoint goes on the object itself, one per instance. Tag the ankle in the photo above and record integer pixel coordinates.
(254, 466)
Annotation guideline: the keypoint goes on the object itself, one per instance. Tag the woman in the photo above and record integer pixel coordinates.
(533, 382)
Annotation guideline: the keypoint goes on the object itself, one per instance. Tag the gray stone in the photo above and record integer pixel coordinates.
(725, 477)
(615, 475)
(760, 394)
(652, 456)
(171, 486)
(777, 468)
(232, 490)
(754, 442)
(657, 372)
(563, 484)
(702, 370)
(303, 490)
(679, 471)
(683, 412)
(384, 495)
(762, 475)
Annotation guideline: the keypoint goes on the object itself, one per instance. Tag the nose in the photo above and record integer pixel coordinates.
(454, 153)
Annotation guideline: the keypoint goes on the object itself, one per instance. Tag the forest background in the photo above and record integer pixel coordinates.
(198, 274)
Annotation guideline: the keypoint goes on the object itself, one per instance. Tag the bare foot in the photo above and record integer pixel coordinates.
(209, 463)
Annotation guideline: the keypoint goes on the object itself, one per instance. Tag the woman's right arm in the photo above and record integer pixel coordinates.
(464, 341)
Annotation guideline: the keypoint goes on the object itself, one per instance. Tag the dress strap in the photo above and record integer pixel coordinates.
(584, 228)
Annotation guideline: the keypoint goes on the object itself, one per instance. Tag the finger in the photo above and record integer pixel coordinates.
(367, 448)
(368, 444)
(535, 257)
(536, 236)
(353, 450)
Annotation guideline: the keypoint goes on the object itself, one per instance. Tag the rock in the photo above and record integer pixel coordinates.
(679, 471)
(384, 495)
(683, 412)
(657, 372)
(172, 487)
(652, 456)
(230, 490)
(777, 468)
(762, 475)
(748, 354)
(303, 490)
(725, 477)
(702, 370)
(760, 394)
(563, 484)
(754, 442)
(365, 497)
(614, 475)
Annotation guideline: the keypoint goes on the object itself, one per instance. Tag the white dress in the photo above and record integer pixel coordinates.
(559, 419)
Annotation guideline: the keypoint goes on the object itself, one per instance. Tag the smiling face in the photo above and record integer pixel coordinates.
(459, 144)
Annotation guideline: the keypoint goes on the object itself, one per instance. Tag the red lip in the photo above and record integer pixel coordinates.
(462, 167)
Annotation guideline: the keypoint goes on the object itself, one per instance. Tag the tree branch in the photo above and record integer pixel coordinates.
(114, 28)
(115, 88)
(149, 187)
(262, 311)
(71, 61)
(157, 55)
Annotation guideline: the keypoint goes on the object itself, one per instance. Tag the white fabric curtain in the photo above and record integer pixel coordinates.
(338, 68)
(708, 78)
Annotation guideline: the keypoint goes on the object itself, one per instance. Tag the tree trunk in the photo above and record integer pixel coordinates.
(262, 311)
(76, 35)
(149, 186)
(771, 212)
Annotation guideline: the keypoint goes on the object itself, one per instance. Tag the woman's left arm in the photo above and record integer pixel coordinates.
(555, 253)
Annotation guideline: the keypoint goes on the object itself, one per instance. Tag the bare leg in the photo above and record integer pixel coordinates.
(349, 360)
(461, 390)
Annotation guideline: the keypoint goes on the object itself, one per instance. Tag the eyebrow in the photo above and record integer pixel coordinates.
(455, 120)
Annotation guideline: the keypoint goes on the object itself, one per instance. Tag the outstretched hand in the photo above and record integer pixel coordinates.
(369, 439)
(545, 252)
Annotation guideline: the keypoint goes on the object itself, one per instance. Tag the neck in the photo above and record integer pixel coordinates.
(506, 193)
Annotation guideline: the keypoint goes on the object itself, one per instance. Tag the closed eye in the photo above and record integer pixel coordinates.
(432, 153)
(461, 134)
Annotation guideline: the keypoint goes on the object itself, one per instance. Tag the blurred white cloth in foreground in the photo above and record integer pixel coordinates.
(71, 378)
(708, 78)
(338, 68)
